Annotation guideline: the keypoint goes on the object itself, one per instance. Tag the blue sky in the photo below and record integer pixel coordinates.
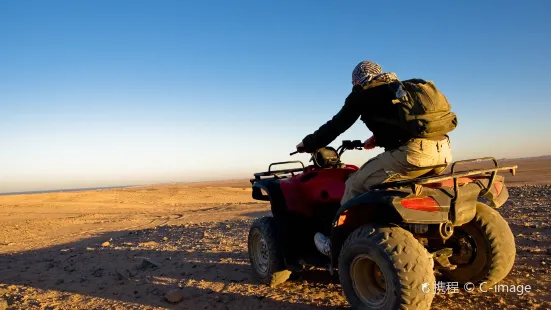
(99, 93)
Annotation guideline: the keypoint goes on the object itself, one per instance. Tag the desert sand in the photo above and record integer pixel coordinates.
(127, 248)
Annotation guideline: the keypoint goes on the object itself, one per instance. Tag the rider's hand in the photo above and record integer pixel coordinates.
(300, 148)
(369, 143)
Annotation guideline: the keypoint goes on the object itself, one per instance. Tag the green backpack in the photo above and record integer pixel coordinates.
(423, 111)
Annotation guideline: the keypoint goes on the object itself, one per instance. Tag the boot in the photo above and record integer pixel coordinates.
(323, 244)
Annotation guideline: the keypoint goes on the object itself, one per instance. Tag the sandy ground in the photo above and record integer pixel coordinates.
(127, 248)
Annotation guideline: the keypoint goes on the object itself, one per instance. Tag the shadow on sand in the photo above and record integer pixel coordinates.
(209, 264)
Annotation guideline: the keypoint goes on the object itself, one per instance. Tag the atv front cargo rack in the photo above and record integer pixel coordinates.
(416, 183)
(277, 173)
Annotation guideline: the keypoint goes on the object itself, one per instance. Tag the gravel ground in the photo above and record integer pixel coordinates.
(205, 266)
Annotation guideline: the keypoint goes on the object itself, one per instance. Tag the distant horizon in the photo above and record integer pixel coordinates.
(236, 178)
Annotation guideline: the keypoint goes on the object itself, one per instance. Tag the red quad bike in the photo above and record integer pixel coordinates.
(387, 243)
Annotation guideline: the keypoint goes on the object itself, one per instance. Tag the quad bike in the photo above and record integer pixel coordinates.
(386, 244)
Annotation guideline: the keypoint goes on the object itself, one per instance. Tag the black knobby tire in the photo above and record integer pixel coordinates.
(404, 263)
(267, 263)
(490, 249)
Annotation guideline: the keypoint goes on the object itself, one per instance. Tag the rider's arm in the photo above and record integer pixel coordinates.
(329, 131)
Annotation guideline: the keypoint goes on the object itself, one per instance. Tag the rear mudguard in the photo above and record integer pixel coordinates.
(384, 208)
(497, 194)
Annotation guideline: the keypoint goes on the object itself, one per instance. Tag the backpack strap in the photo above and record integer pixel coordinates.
(373, 84)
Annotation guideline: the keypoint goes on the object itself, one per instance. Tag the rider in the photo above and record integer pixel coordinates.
(405, 157)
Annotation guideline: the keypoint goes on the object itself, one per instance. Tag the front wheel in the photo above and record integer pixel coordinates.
(484, 249)
(265, 255)
(386, 268)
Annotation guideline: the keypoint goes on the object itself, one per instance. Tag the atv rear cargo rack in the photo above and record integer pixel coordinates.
(277, 173)
(416, 183)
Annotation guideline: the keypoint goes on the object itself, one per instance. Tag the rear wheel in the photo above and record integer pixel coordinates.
(265, 255)
(484, 249)
(386, 268)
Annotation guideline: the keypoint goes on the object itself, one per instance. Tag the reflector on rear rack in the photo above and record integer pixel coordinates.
(499, 187)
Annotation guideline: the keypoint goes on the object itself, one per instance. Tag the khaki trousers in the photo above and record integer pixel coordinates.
(417, 158)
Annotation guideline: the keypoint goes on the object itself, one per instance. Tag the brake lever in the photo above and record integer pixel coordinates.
(295, 152)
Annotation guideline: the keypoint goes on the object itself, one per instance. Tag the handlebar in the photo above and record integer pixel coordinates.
(346, 145)
(350, 145)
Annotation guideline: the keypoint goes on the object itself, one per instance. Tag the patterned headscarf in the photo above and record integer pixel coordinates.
(367, 71)
(364, 72)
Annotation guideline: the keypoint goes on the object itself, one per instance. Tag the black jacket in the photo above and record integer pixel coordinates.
(369, 104)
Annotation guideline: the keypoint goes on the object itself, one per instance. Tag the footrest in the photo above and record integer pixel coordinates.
(441, 257)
